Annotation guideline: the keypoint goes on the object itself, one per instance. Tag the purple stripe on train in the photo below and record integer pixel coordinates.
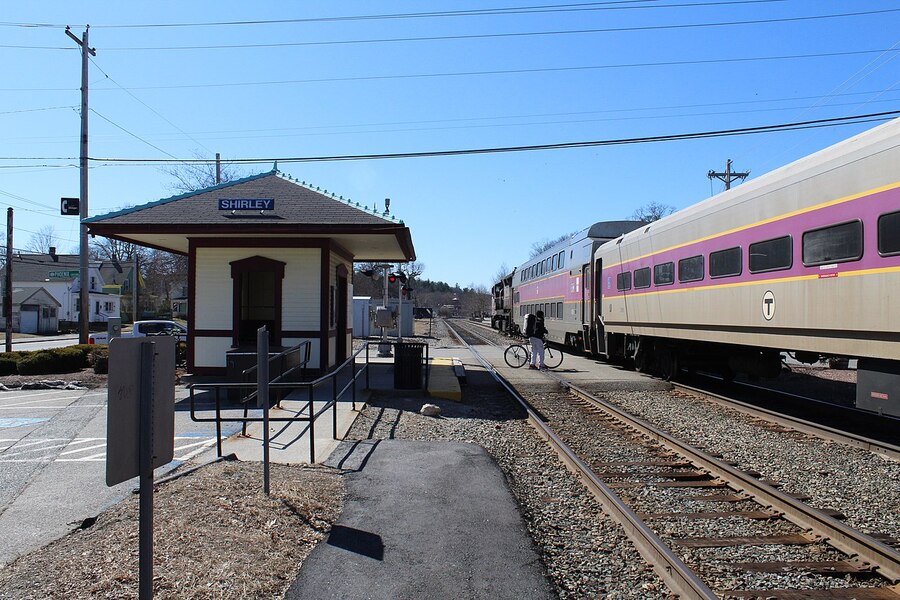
(561, 284)
(867, 209)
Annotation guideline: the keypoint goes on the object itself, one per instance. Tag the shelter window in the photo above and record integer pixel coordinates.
(889, 234)
(725, 263)
(623, 281)
(837, 243)
(642, 278)
(690, 269)
(664, 274)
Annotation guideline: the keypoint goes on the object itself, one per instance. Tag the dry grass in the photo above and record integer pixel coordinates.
(216, 535)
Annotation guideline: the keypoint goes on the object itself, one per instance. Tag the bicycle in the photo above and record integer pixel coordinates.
(517, 355)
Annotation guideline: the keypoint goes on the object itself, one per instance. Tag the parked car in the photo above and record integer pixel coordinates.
(145, 328)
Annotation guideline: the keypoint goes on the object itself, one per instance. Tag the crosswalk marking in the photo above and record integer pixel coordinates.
(80, 449)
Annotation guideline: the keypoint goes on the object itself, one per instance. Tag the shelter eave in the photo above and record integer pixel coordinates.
(363, 242)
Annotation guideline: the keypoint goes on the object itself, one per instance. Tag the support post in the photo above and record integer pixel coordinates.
(7, 291)
(85, 300)
(145, 519)
(262, 395)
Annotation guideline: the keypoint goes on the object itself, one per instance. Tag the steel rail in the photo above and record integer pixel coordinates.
(880, 556)
(820, 431)
(677, 576)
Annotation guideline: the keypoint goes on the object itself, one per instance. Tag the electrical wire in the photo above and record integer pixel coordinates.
(670, 63)
(539, 9)
(482, 36)
(818, 123)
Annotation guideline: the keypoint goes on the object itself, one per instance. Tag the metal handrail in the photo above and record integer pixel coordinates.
(218, 419)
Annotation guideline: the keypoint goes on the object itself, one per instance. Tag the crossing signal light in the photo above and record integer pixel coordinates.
(392, 277)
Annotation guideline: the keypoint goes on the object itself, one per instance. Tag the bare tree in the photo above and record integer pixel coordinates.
(545, 244)
(116, 250)
(193, 177)
(502, 271)
(652, 211)
(41, 241)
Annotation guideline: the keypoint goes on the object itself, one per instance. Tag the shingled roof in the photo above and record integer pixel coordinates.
(298, 209)
(37, 267)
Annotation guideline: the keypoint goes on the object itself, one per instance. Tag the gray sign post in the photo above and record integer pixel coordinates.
(140, 427)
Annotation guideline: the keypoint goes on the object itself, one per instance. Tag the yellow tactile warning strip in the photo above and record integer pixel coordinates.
(442, 380)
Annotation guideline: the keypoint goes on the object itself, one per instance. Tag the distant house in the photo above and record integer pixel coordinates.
(58, 274)
(34, 310)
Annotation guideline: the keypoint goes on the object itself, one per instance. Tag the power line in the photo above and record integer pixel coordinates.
(539, 9)
(851, 120)
(671, 63)
(522, 34)
(148, 107)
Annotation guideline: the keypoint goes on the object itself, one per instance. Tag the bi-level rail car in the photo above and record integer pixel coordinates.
(805, 259)
(557, 281)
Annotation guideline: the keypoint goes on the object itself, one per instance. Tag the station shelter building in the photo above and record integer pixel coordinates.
(264, 250)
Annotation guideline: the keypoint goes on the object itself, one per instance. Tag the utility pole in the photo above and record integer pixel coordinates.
(85, 300)
(728, 175)
(7, 292)
(218, 168)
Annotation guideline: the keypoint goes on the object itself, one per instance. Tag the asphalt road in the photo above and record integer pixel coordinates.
(44, 342)
(53, 463)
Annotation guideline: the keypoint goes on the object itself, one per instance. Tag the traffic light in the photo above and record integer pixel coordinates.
(392, 277)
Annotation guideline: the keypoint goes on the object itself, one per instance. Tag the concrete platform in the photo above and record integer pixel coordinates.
(289, 443)
(423, 520)
(575, 368)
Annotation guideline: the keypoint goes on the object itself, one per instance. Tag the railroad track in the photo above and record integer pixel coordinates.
(649, 462)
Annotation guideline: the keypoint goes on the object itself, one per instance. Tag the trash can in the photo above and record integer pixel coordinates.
(408, 365)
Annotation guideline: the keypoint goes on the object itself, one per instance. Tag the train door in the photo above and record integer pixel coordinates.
(586, 307)
(599, 332)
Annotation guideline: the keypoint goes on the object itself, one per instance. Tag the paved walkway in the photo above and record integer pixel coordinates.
(423, 520)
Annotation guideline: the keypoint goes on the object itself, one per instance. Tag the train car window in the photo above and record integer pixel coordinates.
(559, 309)
(889, 234)
(642, 278)
(553, 310)
(725, 263)
(664, 274)
(562, 259)
(690, 269)
(836, 243)
(623, 281)
(771, 255)
(553, 264)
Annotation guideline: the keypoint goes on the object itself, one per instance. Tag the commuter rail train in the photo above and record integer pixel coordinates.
(803, 260)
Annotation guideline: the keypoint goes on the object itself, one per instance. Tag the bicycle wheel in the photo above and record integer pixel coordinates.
(515, 356)
(552, 358)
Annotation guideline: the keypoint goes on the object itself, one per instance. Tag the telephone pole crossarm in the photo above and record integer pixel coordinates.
(728, 176)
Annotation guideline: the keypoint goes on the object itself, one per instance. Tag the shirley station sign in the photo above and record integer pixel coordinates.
(246, 204)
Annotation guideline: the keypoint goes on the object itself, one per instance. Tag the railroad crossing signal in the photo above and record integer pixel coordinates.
(69, 206)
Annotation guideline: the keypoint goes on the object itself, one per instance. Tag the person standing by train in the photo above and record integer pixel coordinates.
(535, 331)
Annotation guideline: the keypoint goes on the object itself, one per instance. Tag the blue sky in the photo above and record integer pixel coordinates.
(530, 73)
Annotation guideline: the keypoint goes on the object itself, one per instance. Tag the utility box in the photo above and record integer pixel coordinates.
(362, 317)
(114, 328)
(878, 386)
(384, 317)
